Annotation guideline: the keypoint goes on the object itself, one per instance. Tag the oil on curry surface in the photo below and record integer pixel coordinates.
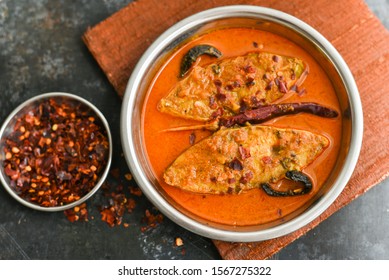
(242, 200)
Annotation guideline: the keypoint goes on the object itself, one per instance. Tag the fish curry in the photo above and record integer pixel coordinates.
(255, 170)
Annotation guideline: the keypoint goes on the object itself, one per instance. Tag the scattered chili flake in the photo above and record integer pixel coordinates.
(107, 215)
(231, 180)
(246, 177)
(128, 176)
(221, 97)
(151, 220)
(135, 191)
(249, 69)
(61, 155)
(116, 205)
(282, 87)
(235, 164)
(78, 213)
(267, 160)
(113, 213)
(250, 82)
(179, 242)
(244, 152)
(130, 205)
(269, 85)
(212, 102)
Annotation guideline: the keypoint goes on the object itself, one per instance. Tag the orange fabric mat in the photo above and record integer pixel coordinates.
(118, 42)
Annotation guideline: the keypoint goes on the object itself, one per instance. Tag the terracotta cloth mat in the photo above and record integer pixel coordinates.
(118, 42)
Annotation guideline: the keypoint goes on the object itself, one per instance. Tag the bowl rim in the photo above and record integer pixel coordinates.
(103, 176)
(227, 12)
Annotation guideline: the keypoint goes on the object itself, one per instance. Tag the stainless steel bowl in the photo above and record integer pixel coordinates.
(24, 108)
(265, 19)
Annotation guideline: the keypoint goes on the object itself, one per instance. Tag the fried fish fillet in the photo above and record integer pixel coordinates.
(223, 87)
(243, 158)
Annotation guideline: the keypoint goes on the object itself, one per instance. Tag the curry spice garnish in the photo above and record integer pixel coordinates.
(56, 153)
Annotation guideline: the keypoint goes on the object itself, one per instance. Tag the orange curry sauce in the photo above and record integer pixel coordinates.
(251, 207)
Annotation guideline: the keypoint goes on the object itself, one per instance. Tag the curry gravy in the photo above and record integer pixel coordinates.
(251, 207)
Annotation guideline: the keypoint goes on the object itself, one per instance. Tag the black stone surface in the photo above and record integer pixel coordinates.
(41, 51)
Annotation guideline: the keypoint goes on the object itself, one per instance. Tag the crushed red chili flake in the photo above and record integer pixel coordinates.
(244, 152)
(128, 176)
(113, 213)
(246, 177)
(117, 205)
(55, 153)
(151, 220)
(135, 191)
(235, 164)
(179, 242)
(267, 160)
(77, 213)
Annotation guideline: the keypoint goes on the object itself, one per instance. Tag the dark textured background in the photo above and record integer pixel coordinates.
(41, 51)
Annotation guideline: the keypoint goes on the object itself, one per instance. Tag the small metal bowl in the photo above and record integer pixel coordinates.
(25, 107)
(268, 20)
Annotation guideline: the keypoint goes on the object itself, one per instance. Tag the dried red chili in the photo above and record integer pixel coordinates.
(56, 153)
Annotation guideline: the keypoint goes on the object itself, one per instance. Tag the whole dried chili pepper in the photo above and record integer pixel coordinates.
(191, 56)
(56, 153)
(265, 113)
(262, 114)
(295, 176)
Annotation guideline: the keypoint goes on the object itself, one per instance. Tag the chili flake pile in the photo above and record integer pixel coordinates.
(55, 153)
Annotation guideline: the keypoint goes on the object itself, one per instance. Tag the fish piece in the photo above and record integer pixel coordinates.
(233, 85)
(236, 159)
